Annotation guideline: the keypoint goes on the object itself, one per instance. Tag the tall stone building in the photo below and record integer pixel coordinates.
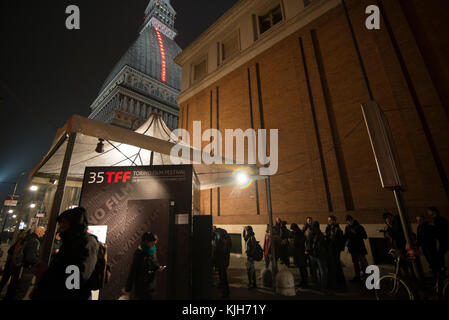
(292, 65)
(146, 79)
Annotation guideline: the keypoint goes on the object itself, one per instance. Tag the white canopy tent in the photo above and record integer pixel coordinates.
(150, 144)
(75, 145)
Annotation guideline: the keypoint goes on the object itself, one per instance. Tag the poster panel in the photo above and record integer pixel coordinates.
(134, 200)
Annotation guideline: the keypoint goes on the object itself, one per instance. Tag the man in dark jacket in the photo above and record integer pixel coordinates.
(442, 234)
(396, 239)
(393, 231)
(30, 258)
(267, 246)
(141, 282)
(221, 246)
(427, 240)
(250, 248)
(354, 236)
(307, 224)
(336, 244)
(318, 253)
(299, 255)
(12, 266)
(79, 249)
(284, 248)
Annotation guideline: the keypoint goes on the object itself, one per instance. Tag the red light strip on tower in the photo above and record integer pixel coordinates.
(163, 61)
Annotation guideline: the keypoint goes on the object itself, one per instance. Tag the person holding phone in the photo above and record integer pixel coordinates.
(141, 282)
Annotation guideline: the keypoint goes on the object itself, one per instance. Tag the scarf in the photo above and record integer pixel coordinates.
(149, 251)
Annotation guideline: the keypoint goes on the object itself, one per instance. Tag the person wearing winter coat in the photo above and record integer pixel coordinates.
(31, 252)
(221, 246)
(284, 247)
(307, 229)
(442, 233)
(78, 248)
(299, 253)
(354, 237)
(393, 231)
(141, 282)
(267, 247)
(336, 244)
(427, 241)
(250, 248)
(318, 254)
(396, 239)
(12, 269)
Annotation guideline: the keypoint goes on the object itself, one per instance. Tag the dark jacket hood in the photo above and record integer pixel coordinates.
(78, 222)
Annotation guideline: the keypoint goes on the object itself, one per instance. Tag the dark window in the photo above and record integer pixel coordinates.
(270, 19)
(199, 70)
(231, 47)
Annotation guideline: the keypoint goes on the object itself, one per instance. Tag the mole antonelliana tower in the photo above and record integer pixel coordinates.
(146, 79)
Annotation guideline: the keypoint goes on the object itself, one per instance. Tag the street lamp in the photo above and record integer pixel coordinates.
(32, 206)
(33, 188)
(10, 211)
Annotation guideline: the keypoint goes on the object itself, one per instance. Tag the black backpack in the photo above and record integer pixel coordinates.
(102, 272)
(258, 252)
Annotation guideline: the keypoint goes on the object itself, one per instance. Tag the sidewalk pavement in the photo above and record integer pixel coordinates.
(238, 283)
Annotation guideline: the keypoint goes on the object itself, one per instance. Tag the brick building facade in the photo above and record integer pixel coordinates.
(302, 75)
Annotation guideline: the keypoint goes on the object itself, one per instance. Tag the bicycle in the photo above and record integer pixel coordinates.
(392, 286)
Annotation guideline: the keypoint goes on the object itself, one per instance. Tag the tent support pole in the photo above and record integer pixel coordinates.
(57, 201)
(270, 218)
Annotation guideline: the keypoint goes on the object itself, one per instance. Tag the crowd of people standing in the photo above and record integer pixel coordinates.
(317, 253)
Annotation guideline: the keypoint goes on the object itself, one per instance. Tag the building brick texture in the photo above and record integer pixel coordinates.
(311, 86)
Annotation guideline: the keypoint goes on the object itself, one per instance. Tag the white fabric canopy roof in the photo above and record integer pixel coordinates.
(123, 147)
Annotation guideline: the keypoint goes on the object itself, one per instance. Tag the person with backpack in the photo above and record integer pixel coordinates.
(78, 248)
(318, 254)
(28, 257)
(336, 244)
(12, 270)
(141, 282)
(221, 252)
(354, 236)
(251, 253)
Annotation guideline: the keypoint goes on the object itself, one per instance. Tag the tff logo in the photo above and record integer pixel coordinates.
(109, 177)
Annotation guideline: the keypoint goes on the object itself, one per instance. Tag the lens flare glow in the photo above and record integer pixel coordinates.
(243, 179)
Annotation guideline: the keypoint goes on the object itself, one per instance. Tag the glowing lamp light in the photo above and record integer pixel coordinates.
(14, 216)
(33, 188)
(242, 179)
(10, 211)
(32, 206)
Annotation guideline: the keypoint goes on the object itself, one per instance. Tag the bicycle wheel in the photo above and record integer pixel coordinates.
(391, 287)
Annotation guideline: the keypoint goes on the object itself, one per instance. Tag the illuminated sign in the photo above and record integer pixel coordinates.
(109, 177)
(10, 203)
(163, 60)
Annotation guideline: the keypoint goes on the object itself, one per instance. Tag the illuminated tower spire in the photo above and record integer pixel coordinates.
(160, 14)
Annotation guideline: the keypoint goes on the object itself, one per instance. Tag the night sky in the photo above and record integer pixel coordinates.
(49, 73)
